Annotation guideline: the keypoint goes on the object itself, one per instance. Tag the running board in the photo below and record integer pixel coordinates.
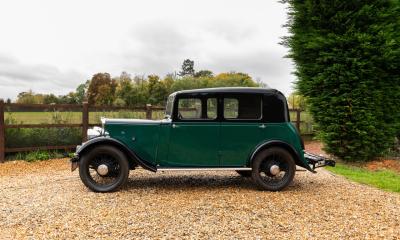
(205, 169)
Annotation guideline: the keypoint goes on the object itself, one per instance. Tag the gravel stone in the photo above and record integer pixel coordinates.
(44, 200)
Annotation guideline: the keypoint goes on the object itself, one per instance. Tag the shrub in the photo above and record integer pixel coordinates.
(347, 56)
(35, 137)
(37, 155)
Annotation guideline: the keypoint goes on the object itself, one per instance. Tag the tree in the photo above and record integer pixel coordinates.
(8, 100)
(204, 73)
(157, 90)
(101, 89)
(70, 98)
(123, 89)
(233, 79)
(168, 81)
(296, 101)
(230, 79)
(187, 68)
(51, 98)
(347, 56)
(30, 98)
(81, 91)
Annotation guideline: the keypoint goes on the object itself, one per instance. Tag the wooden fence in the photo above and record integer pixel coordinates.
(84, 125)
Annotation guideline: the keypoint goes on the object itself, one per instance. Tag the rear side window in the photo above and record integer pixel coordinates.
(231, 108)
(246, 107)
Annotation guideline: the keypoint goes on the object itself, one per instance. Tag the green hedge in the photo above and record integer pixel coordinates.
(36, 137)
(347, 56)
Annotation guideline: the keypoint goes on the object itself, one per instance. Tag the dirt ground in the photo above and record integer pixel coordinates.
(44, 200)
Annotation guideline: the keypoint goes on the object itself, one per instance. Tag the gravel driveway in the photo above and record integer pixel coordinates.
(45, 200)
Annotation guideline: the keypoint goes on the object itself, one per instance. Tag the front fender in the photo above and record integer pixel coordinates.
(300, 161)
(104, 140)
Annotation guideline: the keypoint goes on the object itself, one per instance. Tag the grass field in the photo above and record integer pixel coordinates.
(383, 179)
(73, 117)
(94, 117)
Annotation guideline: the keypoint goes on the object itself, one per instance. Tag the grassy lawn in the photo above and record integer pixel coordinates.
(94, 117)
(74, 117)
(383, 179)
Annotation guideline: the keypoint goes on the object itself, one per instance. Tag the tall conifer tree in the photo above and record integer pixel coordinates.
(347, 57)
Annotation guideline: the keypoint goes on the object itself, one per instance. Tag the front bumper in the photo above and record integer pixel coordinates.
(316, 161)
(74, 162)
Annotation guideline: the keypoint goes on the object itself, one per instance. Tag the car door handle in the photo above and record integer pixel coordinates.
(174, 126)
(262, 126)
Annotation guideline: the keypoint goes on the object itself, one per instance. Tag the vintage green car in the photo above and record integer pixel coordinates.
(246, 130)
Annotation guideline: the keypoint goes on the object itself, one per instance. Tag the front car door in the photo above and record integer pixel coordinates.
(194, 133)
(241, 127)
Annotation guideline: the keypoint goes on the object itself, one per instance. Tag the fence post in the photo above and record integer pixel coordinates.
(2, 132)
(148, 111)
(85, 120)
(298, 119)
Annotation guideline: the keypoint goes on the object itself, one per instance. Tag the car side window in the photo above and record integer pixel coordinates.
(212, 108)
(189, 108)
(231, 108)
(243, 107)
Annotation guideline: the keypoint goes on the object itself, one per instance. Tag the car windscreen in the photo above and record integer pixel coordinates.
(169, 107)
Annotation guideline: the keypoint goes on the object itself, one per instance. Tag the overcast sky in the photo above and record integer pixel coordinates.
(52, 46)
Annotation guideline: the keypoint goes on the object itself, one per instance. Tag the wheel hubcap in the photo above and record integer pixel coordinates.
(274, 170)
(102, 169)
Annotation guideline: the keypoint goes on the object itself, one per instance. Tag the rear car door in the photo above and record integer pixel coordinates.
(241, 127)
(194, 133)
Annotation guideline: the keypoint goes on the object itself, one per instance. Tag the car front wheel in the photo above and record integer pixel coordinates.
(273, 169)
(104, 169)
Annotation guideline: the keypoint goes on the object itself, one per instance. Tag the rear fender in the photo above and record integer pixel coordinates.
(103, 140)
(277, 143)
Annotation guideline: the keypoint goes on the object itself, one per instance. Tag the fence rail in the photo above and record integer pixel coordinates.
(85, 108)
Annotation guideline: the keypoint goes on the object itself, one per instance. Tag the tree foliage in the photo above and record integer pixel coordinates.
(204, 73)
(347, 56)
(101, 89)
(125, 90)
(296, 101)
(30, 97)
(187, 68)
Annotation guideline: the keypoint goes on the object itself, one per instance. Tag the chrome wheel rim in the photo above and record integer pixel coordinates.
(274, 170)
(104, 170)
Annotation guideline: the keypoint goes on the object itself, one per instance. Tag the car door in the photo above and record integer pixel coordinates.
(194, 133)
(241, 128)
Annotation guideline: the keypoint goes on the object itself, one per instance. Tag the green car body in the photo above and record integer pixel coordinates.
(203, 129)
(198, 144)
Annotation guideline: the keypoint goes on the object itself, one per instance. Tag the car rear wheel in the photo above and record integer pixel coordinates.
(273, 169)
(104, 169)
(244, 173)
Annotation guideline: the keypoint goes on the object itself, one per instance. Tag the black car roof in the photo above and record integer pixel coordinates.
(230, 90)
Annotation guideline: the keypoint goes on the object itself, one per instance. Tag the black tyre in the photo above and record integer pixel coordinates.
(104, 169)
(244, 173)
(273, 169)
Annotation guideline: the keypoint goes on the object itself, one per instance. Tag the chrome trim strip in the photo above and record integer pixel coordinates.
(205, 169)
(130, 121)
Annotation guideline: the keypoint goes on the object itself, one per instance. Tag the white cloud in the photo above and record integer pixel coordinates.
(52, 46)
